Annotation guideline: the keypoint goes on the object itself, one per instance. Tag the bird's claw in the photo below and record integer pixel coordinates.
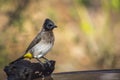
(49, 64)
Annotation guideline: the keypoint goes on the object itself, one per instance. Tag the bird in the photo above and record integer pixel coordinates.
(42, 43)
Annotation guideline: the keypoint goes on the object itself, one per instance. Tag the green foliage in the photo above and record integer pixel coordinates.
(115, 5)
(85, 2)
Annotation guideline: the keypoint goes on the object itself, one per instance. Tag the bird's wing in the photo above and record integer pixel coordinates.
(34, 42)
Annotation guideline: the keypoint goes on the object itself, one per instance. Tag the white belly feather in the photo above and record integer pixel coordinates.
(41, 49)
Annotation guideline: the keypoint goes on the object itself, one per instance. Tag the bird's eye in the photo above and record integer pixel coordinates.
(50, 25)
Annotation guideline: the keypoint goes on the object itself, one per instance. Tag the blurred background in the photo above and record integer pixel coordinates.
(87, 37)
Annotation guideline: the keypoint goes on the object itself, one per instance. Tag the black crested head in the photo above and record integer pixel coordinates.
(49, 25)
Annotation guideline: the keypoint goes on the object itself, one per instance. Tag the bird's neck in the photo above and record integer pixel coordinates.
(47, 30)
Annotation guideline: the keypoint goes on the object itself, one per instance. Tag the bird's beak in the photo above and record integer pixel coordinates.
(55, 26)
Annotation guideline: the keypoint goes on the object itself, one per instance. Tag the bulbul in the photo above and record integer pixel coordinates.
(42, 43)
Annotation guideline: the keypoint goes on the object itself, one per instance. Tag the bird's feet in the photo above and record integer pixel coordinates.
(47, 61)
(42, 65)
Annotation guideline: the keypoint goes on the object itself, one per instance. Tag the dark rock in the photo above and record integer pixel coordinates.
(25, 70)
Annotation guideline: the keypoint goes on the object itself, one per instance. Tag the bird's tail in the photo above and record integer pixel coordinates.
(26, 55)
(20, 58)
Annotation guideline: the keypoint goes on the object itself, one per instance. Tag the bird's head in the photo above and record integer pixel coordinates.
(49, 25)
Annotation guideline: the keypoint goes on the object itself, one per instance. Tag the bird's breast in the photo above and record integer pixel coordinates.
(41, 49)
(48, 36)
